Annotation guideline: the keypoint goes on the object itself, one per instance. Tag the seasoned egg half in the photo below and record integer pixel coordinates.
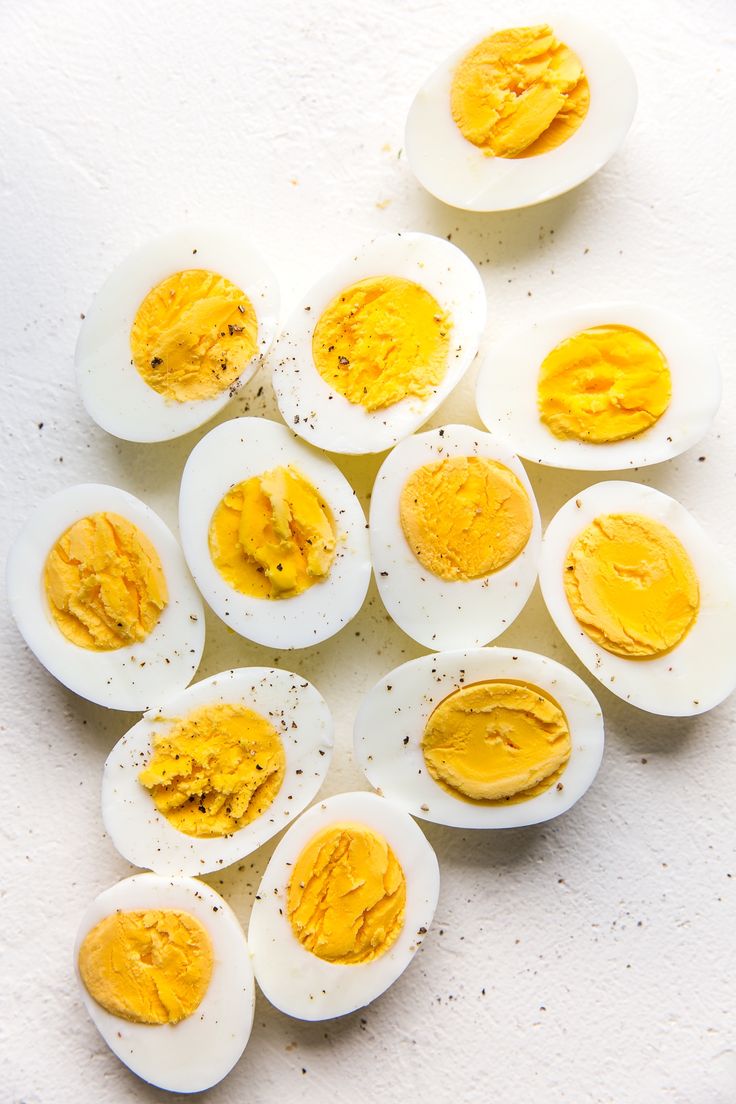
(101, 594)
(217, 770)
(345, 903)
(487, 738)
(643, 597)
(175, 330)
(518, 115)
(165, 975)
(455, 536)
(379, 343)
(600, 387)
(273, 534)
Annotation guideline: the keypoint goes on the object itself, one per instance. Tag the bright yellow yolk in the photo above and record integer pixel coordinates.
(495, 741)
(382, 340)
(216, 770)
(347, 895)
(465, 517)
(631, 585)
(519, 93)
(604, 384)
(148, 967)
(273, 536)
(104, 583)
(194, 335)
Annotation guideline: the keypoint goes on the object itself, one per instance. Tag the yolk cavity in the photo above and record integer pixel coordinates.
(492, 741)
(194, 335)
(104, 583)
(347, 895)
(273, 535)
(465, 517)
(382, 340)
(604, 384)
(519, 93)
(148, 967)
(216, 770)
(631, 585)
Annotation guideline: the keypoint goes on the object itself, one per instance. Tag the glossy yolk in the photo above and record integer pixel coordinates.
(149, 967)
(347, 895)
(604, 384)
(215, 770)
(194, 335)
(382, 340)
(465, 517)
(519, 93)
(104, 583)
(496, 740)
(273, 535)
(631, 585)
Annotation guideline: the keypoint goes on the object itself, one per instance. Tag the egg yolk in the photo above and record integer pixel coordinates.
(194, 335)
(346, 897)
(496, 741)
(603, 384)
(631, 585)
(215, 770)
(273, 535)
(519, 93)
(465, 517)
(382, 340)
(149, 967)
(104, 583)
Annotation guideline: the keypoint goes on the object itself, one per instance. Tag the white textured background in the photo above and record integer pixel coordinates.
(585, 960)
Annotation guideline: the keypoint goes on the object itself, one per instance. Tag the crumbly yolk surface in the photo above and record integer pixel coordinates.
(273, 535)
(465, 517)
(603, 384)
(215, 770)
(631, 585)
(347, 895)
(496, 740)
(194, 335)
(382, 340)
(150, 967)
(104, 583)
(519, 93)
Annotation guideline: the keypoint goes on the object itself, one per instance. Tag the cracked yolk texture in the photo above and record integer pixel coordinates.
(382, 340)
(216, 770)
(465, 517)
(631, 585)
(194, 335)
(148, 967)
(273, 535)
(104, 582)
(494, 741)
(519, 93)
(347, 895)
(604, 384)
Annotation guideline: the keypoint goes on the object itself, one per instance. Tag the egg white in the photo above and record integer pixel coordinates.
(441, 613)
(131, 677)
(300, 983)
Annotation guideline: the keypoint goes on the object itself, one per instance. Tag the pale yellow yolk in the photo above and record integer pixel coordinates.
(495, 741)
(604, 384)
(347, 895)
(216, 770)
(631, 585)
(382, 340)
(149, 967)
(194, 335)
(465, 517)
(273, 535)
(104, 583)
(519, 93)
